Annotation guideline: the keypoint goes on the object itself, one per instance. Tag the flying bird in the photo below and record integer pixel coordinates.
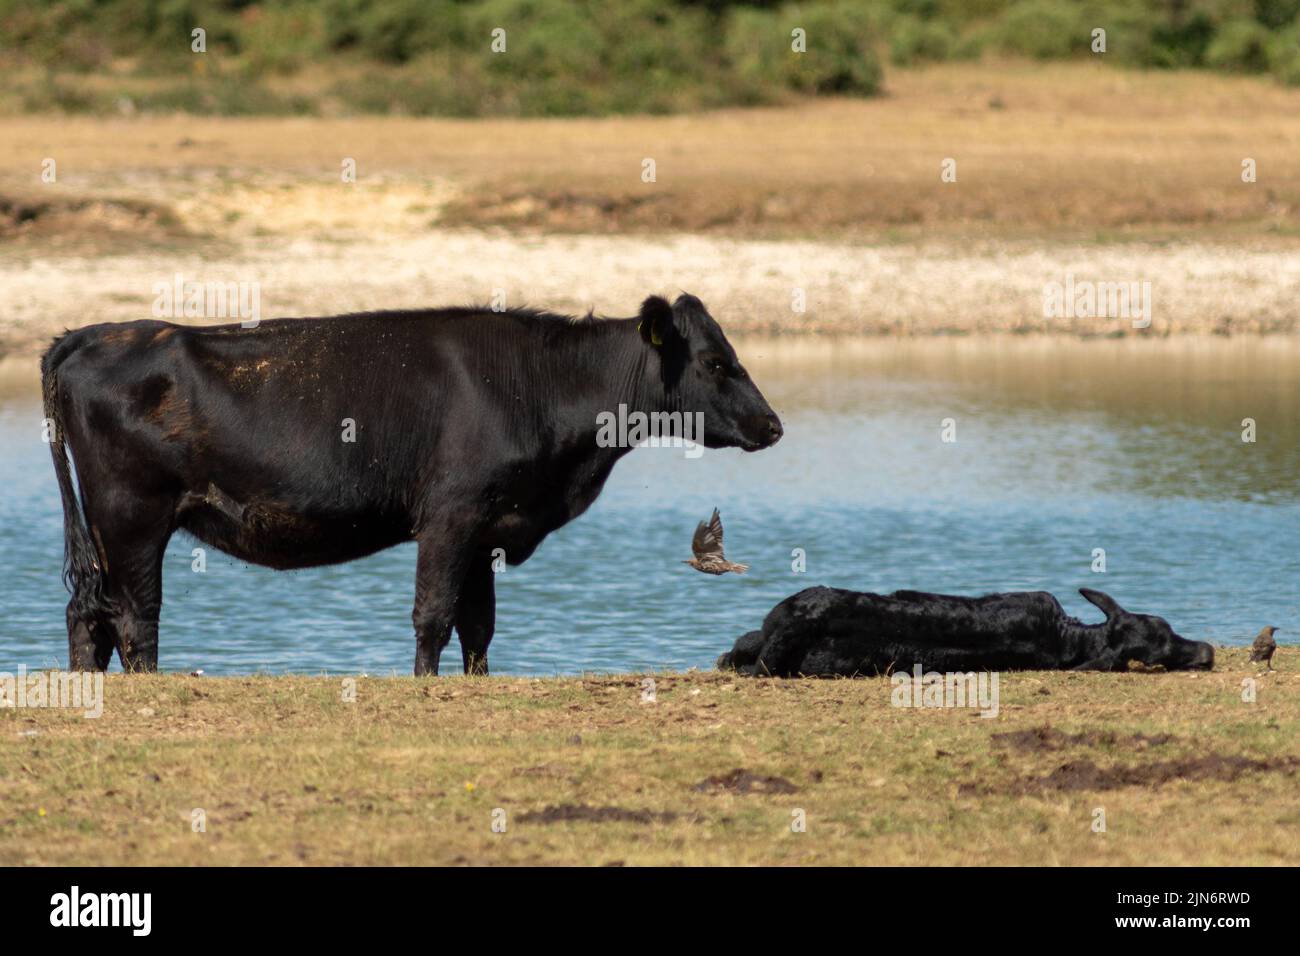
(1264, 646)
(707, 546)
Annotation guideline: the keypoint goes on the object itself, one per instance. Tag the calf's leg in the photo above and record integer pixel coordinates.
(476, 612)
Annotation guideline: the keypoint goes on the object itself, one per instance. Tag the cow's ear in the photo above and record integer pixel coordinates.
(656, 325)
(1103, 601)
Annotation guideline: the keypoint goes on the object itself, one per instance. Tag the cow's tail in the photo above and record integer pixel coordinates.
(83, 575)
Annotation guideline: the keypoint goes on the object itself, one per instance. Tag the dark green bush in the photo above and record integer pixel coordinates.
(1239, 46)
(1045, 29)
(586, 56)
(912, 40)
(1275, 13)
(1182, 40)
(1129, 28)
(839, 55)
(1284, 55)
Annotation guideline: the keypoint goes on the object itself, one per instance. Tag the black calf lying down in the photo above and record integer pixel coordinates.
(829, 632)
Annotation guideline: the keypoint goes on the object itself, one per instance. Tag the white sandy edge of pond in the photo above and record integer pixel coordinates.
(903, 290)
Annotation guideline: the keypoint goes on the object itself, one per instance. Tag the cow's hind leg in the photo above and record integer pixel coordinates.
(134, 537)
(476, 613)
(90, 641)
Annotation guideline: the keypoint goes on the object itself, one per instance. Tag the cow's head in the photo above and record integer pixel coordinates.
(1148, 639)
(702, 374)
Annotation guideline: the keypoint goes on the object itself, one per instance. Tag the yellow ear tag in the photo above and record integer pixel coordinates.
(654, 336)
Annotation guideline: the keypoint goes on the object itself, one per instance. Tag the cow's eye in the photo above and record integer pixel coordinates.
(714, 365)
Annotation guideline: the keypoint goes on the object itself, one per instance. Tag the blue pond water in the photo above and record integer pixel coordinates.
(1060, 450)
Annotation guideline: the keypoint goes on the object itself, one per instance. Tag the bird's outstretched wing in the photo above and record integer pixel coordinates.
(707, 542)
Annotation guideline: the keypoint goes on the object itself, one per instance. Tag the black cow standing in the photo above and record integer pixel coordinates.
(474, 431)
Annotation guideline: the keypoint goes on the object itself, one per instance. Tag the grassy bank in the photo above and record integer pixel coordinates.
(712, 771)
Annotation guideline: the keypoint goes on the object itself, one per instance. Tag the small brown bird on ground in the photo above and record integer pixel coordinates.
(707, 545)
(1264, 646)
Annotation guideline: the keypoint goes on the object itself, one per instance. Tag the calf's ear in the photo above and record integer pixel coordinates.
(656, 325)
(1103, 601)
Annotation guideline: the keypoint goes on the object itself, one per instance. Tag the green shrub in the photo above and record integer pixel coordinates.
(757, 46)
(1276, 13)
(281, 39)
(912, 40)
(1284, 55)
(1182, 40)
(394, 31)
(565, 57)
(839, 53)
(1045, 29)
(561, 57)
(972, 42)
(1129, 28)
(1239, 46)
(841, 56)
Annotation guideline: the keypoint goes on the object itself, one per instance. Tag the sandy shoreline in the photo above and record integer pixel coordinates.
(753, 287)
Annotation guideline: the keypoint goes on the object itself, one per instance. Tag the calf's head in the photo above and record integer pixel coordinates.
(1148, 639)
(702, 374)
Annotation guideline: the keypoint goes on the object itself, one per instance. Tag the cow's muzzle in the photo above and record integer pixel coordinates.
(762, 431)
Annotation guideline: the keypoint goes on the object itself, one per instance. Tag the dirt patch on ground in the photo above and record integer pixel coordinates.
(745, 781)
(583, 813)
(564, 210)
(1076, 776)
(84, 216)
(1047, 738)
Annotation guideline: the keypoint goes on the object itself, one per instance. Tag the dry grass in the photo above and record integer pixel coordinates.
(1063, 149)
(587, 773)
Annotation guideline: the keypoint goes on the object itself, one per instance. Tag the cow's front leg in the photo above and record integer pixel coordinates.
(438, 576)
(476, 614)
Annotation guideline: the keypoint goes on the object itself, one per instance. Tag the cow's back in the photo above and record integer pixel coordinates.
(293, 443)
